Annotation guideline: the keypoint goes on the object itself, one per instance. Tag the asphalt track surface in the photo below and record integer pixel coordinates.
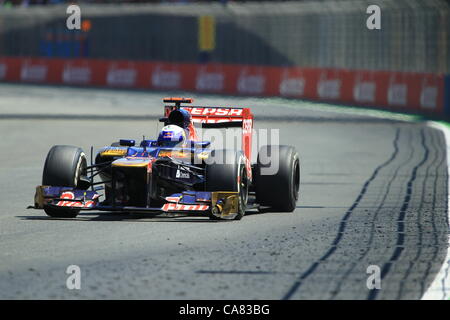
(373, 192)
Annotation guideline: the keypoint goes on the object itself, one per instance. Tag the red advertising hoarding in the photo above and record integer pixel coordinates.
(401, 91)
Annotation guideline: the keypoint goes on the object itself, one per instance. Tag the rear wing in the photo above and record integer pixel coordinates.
(215, 117)
(211, 116)
(218, 117)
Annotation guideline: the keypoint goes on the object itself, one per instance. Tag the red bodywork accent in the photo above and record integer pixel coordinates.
(192, 132)
(78, 204)
(184, 207)
(150, 165)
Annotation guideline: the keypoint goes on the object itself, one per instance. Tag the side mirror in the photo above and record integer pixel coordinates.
(127, 142)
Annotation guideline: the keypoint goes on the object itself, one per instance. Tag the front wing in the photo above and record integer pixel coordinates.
(223, 204)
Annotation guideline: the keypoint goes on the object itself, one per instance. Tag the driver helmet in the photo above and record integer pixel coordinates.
(171, 136)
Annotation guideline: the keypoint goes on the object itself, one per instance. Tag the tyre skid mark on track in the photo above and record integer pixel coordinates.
(419, 224)
(439, 285)
(401, 219)
(420, 233)
(294, 288)
(374, 218)
(435, 230)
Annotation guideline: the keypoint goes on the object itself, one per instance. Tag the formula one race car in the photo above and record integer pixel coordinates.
(175, 174)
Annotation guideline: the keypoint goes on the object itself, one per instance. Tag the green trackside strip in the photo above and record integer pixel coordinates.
(444, 123)
(327, 106)
(339, 108)
(331, 107)
(362, 111)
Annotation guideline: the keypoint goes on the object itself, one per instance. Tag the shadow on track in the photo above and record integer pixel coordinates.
(131, 217)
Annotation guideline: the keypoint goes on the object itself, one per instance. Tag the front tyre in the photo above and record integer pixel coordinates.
(65, 166)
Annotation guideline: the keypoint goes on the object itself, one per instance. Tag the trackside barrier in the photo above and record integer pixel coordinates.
(402, 91)
(447, 95)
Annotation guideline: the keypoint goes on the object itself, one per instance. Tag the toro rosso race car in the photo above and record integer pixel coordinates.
(174, 174)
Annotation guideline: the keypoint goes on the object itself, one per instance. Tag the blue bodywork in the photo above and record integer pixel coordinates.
(177, 170)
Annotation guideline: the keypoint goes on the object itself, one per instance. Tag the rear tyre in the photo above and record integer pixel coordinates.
(229, 174)
(278, 189)
(65, 166)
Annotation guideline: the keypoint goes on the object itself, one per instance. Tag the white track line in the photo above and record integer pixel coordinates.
(440, 287)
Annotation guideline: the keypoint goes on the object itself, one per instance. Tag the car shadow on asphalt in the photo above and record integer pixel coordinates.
(129, 217)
